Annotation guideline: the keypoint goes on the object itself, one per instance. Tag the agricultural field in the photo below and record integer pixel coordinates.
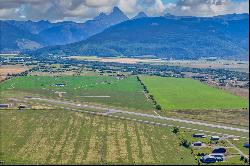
(225, 117)
(119, 59)
(123, 92)
(11, 69)
(62, 137)
(182, 93)
(242, 66)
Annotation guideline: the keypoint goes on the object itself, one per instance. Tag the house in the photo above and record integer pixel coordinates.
(246, 145)
(215, 138)
(197, 143)
(4, 105)
(60, 85)
(21, 106)
(218, 156)
(220, 150)
(208, 159)
(199, 135)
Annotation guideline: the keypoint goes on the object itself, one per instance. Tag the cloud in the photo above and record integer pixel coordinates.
(207, 7)
(81, 10)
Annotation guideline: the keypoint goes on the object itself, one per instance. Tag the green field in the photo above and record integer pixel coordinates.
(64, 137)
(125, 93)
(182, 93)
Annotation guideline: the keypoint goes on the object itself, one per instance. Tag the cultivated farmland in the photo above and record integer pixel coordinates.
(64, 137)
(123, 92)
(181, 93)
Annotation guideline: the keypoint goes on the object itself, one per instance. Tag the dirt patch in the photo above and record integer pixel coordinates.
(11, 69)
(238, 91)
(218, 64)
(117, 60)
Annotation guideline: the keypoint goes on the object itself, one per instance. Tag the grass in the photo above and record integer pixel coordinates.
(224, 117)
(182, 93)
(126, 93)
(186, 125)
(62, 137)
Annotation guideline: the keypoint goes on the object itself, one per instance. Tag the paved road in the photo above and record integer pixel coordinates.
(143, 115)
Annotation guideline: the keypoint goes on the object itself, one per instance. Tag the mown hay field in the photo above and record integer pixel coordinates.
(64, 137)
(183, 93)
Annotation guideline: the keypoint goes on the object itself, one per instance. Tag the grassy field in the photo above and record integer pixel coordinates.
(225, 117)
(64, 137)
(126, 93)
(177, 93)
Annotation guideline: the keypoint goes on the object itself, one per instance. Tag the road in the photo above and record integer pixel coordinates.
(141, 114)
(241, 153)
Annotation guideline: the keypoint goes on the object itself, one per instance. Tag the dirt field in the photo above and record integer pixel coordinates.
(238, 91)
(242, 66)
(11, 69)
(117, 60)
(225, 64)
(130, 60)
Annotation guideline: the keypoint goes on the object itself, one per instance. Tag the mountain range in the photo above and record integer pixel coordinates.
(114, 34)
(166, 37)
(54, 33)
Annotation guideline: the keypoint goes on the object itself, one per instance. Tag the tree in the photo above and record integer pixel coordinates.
(175, 130)
(152, 97)
(158, 107)
(185, 143)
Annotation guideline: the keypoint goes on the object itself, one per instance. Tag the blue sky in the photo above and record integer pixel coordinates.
(82, 10)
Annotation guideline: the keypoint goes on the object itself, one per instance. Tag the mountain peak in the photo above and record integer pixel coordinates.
(140, 15)
(116, 10)
(100, 16)
(117, 15)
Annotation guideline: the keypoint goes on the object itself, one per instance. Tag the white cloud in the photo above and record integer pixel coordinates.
(80, 10)
(128, 6)
(207, 7)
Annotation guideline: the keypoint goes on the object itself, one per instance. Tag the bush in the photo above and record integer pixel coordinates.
(158, 107)
(175, 130)
(152, 97)
(185, 143)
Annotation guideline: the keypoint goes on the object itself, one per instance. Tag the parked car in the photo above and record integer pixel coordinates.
(208, 159)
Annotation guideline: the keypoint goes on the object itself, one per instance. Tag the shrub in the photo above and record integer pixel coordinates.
(175, 130)
(158, 107)
(185, 143)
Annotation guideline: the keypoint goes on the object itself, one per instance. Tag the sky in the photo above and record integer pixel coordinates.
(82, 10)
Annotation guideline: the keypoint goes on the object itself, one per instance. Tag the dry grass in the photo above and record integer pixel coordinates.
(238, 91)
(226, 64)
(117, 60)
(12, 69)
(61, 137)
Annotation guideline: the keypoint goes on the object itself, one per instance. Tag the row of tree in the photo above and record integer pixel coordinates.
(157, 106)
